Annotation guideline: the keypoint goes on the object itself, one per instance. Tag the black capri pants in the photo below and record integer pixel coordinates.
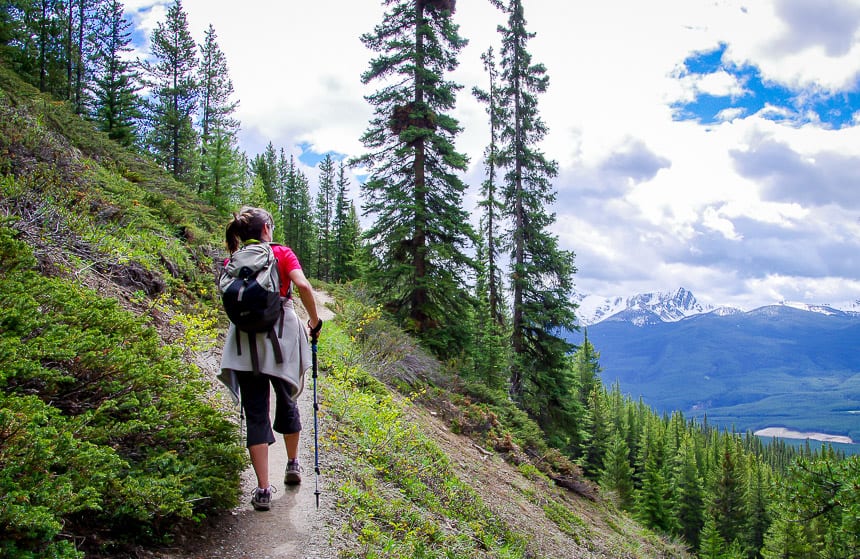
(254, 390)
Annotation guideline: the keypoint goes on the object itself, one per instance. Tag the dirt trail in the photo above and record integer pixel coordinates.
(294, 527)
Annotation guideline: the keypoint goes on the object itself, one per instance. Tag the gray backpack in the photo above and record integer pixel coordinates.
(251, 294)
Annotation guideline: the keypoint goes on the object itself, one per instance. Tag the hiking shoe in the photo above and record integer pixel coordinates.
(262, 499)
(294, 473)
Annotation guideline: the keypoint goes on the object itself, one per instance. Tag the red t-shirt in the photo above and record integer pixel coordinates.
(287, 262)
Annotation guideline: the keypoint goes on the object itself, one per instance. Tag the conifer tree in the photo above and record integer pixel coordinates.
(491, 202)
(324, 216)
(216, 88)
(786, 538)
(586, 362)
(757, 513)
(688, 483)
(727, 492)
(421, 232)
(541, 276)
(223, 169)
(272, 173)
(653, 508)
(617, 404)
(346, 232)
(38, 44)
(294, 202)
(219, 152)
(713, 545)
(590, 426)
(116, 105)
(490, 350)
(172, 78)
(597, 432)
(79, 29)
(8, 26)
(617, 474)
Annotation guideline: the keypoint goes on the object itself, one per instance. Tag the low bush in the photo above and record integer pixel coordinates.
(105, 435)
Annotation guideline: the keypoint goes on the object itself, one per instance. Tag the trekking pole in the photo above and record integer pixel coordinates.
(316, 425)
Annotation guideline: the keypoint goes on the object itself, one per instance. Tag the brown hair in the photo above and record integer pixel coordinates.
(246, 225)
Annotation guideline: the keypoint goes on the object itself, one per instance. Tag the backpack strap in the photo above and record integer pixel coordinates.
(276, 346)
(255, 359)
(252, 344)
(281, 321)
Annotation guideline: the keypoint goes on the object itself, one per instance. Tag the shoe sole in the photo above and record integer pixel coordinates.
(261, 505)
(293, 478)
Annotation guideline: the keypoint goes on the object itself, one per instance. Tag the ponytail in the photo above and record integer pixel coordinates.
(233, 237)
(246, 225)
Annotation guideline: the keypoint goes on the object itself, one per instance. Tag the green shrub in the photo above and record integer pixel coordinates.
(103, 427)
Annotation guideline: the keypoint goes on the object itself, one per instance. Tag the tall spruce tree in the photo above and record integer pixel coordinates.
(421, 232)
(346, 231)
(617, 474)
(758, 495)
(38, 44)
(688, 488)
(490, 352)
(588, 430)
(542, 273)
(712, 544)
(652, 506)
(79, 27)
(116, 105)
(294, 202)
(728, 499)
(172, 79)
(219, 153)
(491, 202)
(266, 168)
(596, 433)
(325, 203)
(215, 89)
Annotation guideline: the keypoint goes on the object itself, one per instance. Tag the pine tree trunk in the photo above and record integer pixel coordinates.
(79, 71)
(419, 292)
(519, 230)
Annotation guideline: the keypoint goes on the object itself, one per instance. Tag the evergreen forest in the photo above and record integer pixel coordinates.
(116, 178)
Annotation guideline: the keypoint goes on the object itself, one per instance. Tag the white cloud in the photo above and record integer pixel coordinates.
(715, 220)
(730, 114)
(718, 84)
(646, 202)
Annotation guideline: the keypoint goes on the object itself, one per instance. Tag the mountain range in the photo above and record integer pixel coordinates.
(787, 365)
(665, 306)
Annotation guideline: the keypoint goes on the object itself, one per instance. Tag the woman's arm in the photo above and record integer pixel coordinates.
(306, 293)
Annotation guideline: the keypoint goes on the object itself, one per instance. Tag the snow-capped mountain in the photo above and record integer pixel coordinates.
(821, 309)
(645, 308)
(665, 306)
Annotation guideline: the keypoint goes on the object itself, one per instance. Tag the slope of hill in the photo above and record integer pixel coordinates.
(112, 443)
(774, 366)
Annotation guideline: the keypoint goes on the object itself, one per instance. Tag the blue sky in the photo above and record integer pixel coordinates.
(709, 144)
(771, 99)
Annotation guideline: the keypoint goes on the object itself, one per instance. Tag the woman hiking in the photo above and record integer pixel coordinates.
(252, 362)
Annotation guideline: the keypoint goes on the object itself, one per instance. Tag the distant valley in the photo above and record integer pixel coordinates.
(775, 366)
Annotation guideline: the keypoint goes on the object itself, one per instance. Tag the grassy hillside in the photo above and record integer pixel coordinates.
(427, 467)
(107, 437)
(112, 439)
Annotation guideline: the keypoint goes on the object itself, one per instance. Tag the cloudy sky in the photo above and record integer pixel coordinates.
(709, 144)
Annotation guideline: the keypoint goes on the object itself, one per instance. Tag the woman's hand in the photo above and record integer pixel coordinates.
(315, 330)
